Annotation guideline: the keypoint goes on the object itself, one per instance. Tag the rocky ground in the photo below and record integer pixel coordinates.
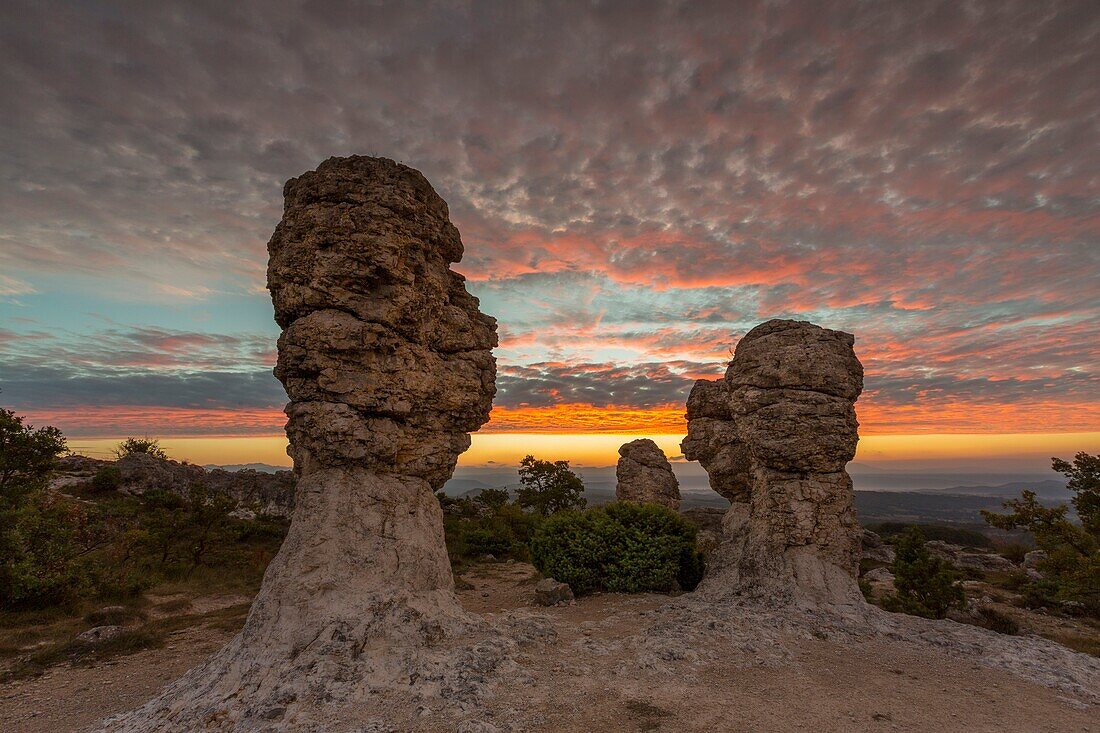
(653, 663)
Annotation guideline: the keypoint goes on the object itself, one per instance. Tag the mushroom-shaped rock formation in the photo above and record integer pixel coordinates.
(388, 365)
(774, 436)
(645, 476)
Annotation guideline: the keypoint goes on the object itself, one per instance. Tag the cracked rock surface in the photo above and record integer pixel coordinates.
(388, 365)
(644, 475)
(774, 436)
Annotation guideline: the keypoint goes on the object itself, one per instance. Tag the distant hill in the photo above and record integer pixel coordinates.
(262, 467)
(1049, 489)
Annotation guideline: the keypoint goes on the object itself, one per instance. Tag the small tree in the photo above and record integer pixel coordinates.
(27, 458)
(1073, 550)
(493, 499)
(549, 487)
(140, 445)
(926, 585)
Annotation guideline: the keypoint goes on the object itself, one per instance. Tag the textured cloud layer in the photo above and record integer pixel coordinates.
(637, 184)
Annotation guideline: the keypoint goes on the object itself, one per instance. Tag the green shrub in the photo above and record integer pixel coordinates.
(620, 547)
(503, 533)
(487, 541)
(45, 546)
(926, 585)
(107, 478)
(1014, 551)
(140, 445)
(1072, 563)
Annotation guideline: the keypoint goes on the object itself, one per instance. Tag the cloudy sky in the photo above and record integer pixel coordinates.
(637, 184)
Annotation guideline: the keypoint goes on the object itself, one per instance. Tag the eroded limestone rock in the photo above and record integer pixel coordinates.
(644, 475)
(388, 365)
(774, 436)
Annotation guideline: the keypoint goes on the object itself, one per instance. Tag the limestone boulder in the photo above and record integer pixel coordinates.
(774, 435)
(644, 475)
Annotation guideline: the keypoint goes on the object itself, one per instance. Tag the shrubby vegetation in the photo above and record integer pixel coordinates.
(926, 584)
(58, 550)
(622, 547)
(140, 445)
(618, 547)
(549, 487)
(1072, 563)
(487, 524)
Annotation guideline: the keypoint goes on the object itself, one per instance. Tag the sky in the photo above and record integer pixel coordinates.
(637, 185)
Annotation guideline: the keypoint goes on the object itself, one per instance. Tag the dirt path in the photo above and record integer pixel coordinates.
(599, 675)
(76, 698)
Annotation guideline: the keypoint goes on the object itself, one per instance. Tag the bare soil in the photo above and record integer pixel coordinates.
(590, 679)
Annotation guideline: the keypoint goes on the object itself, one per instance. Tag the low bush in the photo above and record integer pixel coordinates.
(107, 478)
(620, 547)
(926, 584)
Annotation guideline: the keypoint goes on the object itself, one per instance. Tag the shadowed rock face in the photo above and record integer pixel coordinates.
(388, 365)
(645, 476)
(774, 436)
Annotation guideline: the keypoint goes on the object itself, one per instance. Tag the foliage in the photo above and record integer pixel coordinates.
(620, 547)
(27, 458)
(1072, 563)
(942, 532)
(39, 536)
(493, 499)
(474, 530)
(178, 533)
(107, 478)
(926, 585)
(140, 445)
(549, 487)
(47, 540)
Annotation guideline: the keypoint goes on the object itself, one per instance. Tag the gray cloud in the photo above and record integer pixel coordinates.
(661, 174)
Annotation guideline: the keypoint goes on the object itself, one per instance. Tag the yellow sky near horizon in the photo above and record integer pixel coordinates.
(601, 449)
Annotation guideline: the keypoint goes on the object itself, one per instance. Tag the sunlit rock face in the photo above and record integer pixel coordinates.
(384, 354)
(388, 365)
(644, 475)
(775, 435)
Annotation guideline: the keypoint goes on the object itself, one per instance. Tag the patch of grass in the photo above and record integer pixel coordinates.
(130, 641)
(172, 606)
(996, 620)
(112, 616)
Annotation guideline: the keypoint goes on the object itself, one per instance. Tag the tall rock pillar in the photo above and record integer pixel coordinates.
(388, 365)
(774, 436)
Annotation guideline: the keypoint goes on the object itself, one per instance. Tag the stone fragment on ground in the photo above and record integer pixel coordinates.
(549, 592)
(100, 634)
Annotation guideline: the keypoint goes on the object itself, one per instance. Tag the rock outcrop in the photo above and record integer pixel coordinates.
(644, 475)
(388, 365)
(774, 436)
(255, 491)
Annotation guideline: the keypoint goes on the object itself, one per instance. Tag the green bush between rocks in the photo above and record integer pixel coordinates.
(621, 547)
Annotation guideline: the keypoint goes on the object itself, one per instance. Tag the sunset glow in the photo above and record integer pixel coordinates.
(629, 210)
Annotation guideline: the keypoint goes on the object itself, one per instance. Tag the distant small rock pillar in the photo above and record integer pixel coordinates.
(774, 436)
(644, 475)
